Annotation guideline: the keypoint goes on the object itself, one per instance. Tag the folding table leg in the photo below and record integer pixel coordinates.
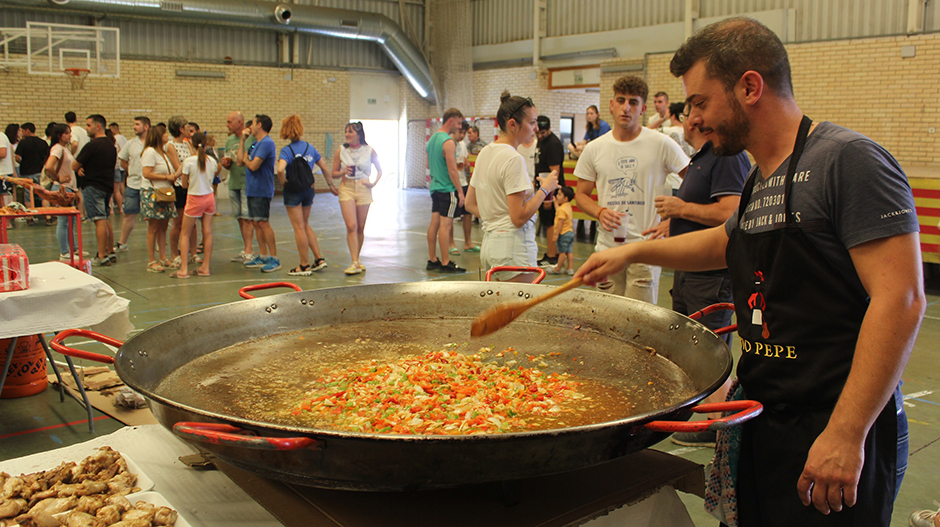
(81, 390)
(6, 366)
(42, 340)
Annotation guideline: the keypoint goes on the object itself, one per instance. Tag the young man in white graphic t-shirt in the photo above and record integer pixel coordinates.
(626, 166)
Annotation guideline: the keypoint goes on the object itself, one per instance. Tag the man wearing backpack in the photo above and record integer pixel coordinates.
(295, 172)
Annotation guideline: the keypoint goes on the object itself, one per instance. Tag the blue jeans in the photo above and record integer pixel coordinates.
(62, 228)
(27, 193)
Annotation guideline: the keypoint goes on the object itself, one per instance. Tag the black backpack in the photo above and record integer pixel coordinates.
(299, 173)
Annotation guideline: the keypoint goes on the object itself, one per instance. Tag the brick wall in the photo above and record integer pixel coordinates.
(320, 97)
(527, 82)
(862, 84)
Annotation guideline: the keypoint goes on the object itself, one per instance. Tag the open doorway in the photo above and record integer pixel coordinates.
(382, 136)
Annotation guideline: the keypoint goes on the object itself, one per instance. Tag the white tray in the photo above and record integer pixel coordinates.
(157, 499)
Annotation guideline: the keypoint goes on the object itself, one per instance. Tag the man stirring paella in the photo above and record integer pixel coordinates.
(827, 279)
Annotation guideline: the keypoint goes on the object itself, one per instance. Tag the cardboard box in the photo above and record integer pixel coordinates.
(14, 268)
(557, 500)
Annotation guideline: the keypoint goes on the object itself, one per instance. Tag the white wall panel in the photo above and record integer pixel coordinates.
(824, 20)
(498, 21)
(572, 17)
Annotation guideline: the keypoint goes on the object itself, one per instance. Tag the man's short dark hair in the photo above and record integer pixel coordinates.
(631, 85)
(662, 94)
(114, 125)
(70, 117)
(265, 122)
(29, 126)
(450, 113)
(194, 125)
(145, 120)
(732, 47)
(465, 126)
(49, 128)
(476, 129)
(98, 118)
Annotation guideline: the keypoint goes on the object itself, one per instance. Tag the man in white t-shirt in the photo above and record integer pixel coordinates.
(463, 172)
(130, 163)
(626, 165)
(661, 117)
(79, 135)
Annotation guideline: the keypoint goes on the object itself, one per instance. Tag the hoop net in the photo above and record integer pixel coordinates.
(77, 77)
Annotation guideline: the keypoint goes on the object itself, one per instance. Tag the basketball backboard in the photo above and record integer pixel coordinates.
(53, 48)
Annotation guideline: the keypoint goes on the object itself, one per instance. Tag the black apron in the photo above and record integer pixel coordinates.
(799, 319)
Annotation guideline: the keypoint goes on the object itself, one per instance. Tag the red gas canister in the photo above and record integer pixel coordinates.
(27, 373)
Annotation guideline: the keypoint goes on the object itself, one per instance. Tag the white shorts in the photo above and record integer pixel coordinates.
(637, 281)
(516, 248)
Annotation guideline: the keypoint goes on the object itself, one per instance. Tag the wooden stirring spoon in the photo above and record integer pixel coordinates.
(496, 317)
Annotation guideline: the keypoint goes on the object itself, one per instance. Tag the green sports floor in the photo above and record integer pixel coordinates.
(395, 251)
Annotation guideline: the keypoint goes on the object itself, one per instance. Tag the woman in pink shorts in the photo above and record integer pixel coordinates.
(198, 172)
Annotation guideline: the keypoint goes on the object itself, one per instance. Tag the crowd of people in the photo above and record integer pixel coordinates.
(170, 172)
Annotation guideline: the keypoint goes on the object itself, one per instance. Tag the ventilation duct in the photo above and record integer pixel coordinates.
(337, 23)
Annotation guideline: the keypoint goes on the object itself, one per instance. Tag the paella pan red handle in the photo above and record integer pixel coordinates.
(243, 292)
(56, 344)
(222, 434)
(746, 410)
(498, 268)
(711, 309)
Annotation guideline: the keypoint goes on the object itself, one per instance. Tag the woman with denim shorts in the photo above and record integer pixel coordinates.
(298, 203)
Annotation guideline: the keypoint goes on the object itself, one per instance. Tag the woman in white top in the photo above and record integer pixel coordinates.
(58, 168)
(177, 150)
(198, 172)
(157, 174)
(501, 193)
(353, 163)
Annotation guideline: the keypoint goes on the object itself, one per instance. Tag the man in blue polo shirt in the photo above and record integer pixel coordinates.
(258, 161)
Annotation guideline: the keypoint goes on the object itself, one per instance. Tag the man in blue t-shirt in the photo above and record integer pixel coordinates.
(710, 193)
(258, 161)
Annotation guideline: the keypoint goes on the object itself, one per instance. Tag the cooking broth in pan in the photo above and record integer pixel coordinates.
(272, 379)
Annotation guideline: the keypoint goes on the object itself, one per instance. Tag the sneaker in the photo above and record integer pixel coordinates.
(242, 257)
(924, 518)
(452, 267)
(434, 266)
(65, 257)
(271, 264)
(112, 257)
(547, 262)
(319, 263)
(355, 268)
(570, 272)
(101, 262)
(256, 263)
(704, 439)
(552, 270)
(120, 247)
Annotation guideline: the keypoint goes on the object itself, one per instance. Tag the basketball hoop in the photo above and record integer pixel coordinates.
(77, 77)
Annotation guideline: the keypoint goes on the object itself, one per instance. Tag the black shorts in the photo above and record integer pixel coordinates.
(445, 203)
(181, 194)
(462, 211)
(546, 216)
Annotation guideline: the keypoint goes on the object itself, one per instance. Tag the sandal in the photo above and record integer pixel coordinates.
(195, 259)
(177, 274)
(474, 249)
(175, 264)
(155, 267)
(195, 272)
(454, 251)
(301, 270)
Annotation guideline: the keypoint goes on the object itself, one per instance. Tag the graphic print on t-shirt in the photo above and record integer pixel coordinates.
(766, 207)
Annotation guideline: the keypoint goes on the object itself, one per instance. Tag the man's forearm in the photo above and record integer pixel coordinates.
(712, 214)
